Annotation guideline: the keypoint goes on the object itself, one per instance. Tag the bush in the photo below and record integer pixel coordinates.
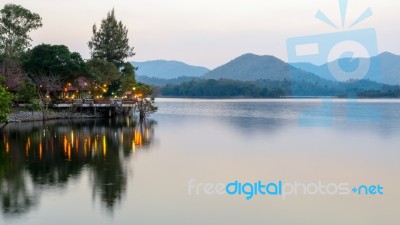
(5, 104)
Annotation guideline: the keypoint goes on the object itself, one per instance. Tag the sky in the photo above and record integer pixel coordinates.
(207, 32)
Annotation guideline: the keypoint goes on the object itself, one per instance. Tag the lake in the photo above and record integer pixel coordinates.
(167, 170)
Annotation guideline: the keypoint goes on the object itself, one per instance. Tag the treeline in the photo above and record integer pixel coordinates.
(225, 88)
(219, 88)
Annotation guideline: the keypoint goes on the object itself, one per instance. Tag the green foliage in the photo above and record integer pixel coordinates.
(111, 42)
(2, 80)
(27, 92)
(103, 71)
(53, 60)
(127, 83)
(33, 106)
(128, 80)
(15, 24)
(128, 70)
(144, 90)
(5, 103)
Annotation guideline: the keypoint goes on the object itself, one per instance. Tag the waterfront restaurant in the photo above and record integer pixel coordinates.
(79, 89)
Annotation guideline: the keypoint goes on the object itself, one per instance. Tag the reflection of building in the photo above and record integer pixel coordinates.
(54, 152)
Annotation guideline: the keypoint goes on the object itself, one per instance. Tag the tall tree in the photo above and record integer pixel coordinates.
(15, 24)
(110, 41)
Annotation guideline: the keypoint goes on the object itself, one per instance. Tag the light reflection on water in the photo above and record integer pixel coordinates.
(118, 172)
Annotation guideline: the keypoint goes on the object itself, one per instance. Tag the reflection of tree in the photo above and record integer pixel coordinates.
(50, 153)
(15, 196)
(109, 177)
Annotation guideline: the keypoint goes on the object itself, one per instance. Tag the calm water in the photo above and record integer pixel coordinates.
(121, 172)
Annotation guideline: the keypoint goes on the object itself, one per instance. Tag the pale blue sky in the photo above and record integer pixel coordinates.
(207, 32)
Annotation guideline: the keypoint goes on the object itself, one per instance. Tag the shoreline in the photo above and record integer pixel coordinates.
(29, 116)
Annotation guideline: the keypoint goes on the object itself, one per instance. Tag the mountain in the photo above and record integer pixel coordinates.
(251, 67)
(387, 70)
(168, 69)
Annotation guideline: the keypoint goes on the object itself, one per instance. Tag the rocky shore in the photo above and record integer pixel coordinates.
(26, 116)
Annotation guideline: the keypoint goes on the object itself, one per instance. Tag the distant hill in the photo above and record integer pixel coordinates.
(389, 67)
(168, 69)
(251, 67)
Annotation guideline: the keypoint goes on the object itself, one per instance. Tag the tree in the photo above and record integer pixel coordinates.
(145, 100)
(128, 70)
(57, 60)
(128, 80)
(103, 71)
(5, 104)
(15, 24)
(27, 92)
(111, 42)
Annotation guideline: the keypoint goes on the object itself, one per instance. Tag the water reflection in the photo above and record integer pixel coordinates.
(36, 157)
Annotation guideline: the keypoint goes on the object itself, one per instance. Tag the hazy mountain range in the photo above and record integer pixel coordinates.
(387, 70)
(251, 67)
(164, 69)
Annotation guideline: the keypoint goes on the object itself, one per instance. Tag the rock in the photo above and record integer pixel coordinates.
(25, 116)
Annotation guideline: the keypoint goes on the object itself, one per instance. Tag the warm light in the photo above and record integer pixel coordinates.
(105, 85)
(133, 146)
(85, 84)
(65, 89)
(77, 143)
(28, 145)
(133, 88)
(138, 138)
(69, 84)
(65, 144)
(104, 145)
(95, 145)
(40, 150)
(85, 148)
(121, 138)
(72, 138)
(69, 152)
